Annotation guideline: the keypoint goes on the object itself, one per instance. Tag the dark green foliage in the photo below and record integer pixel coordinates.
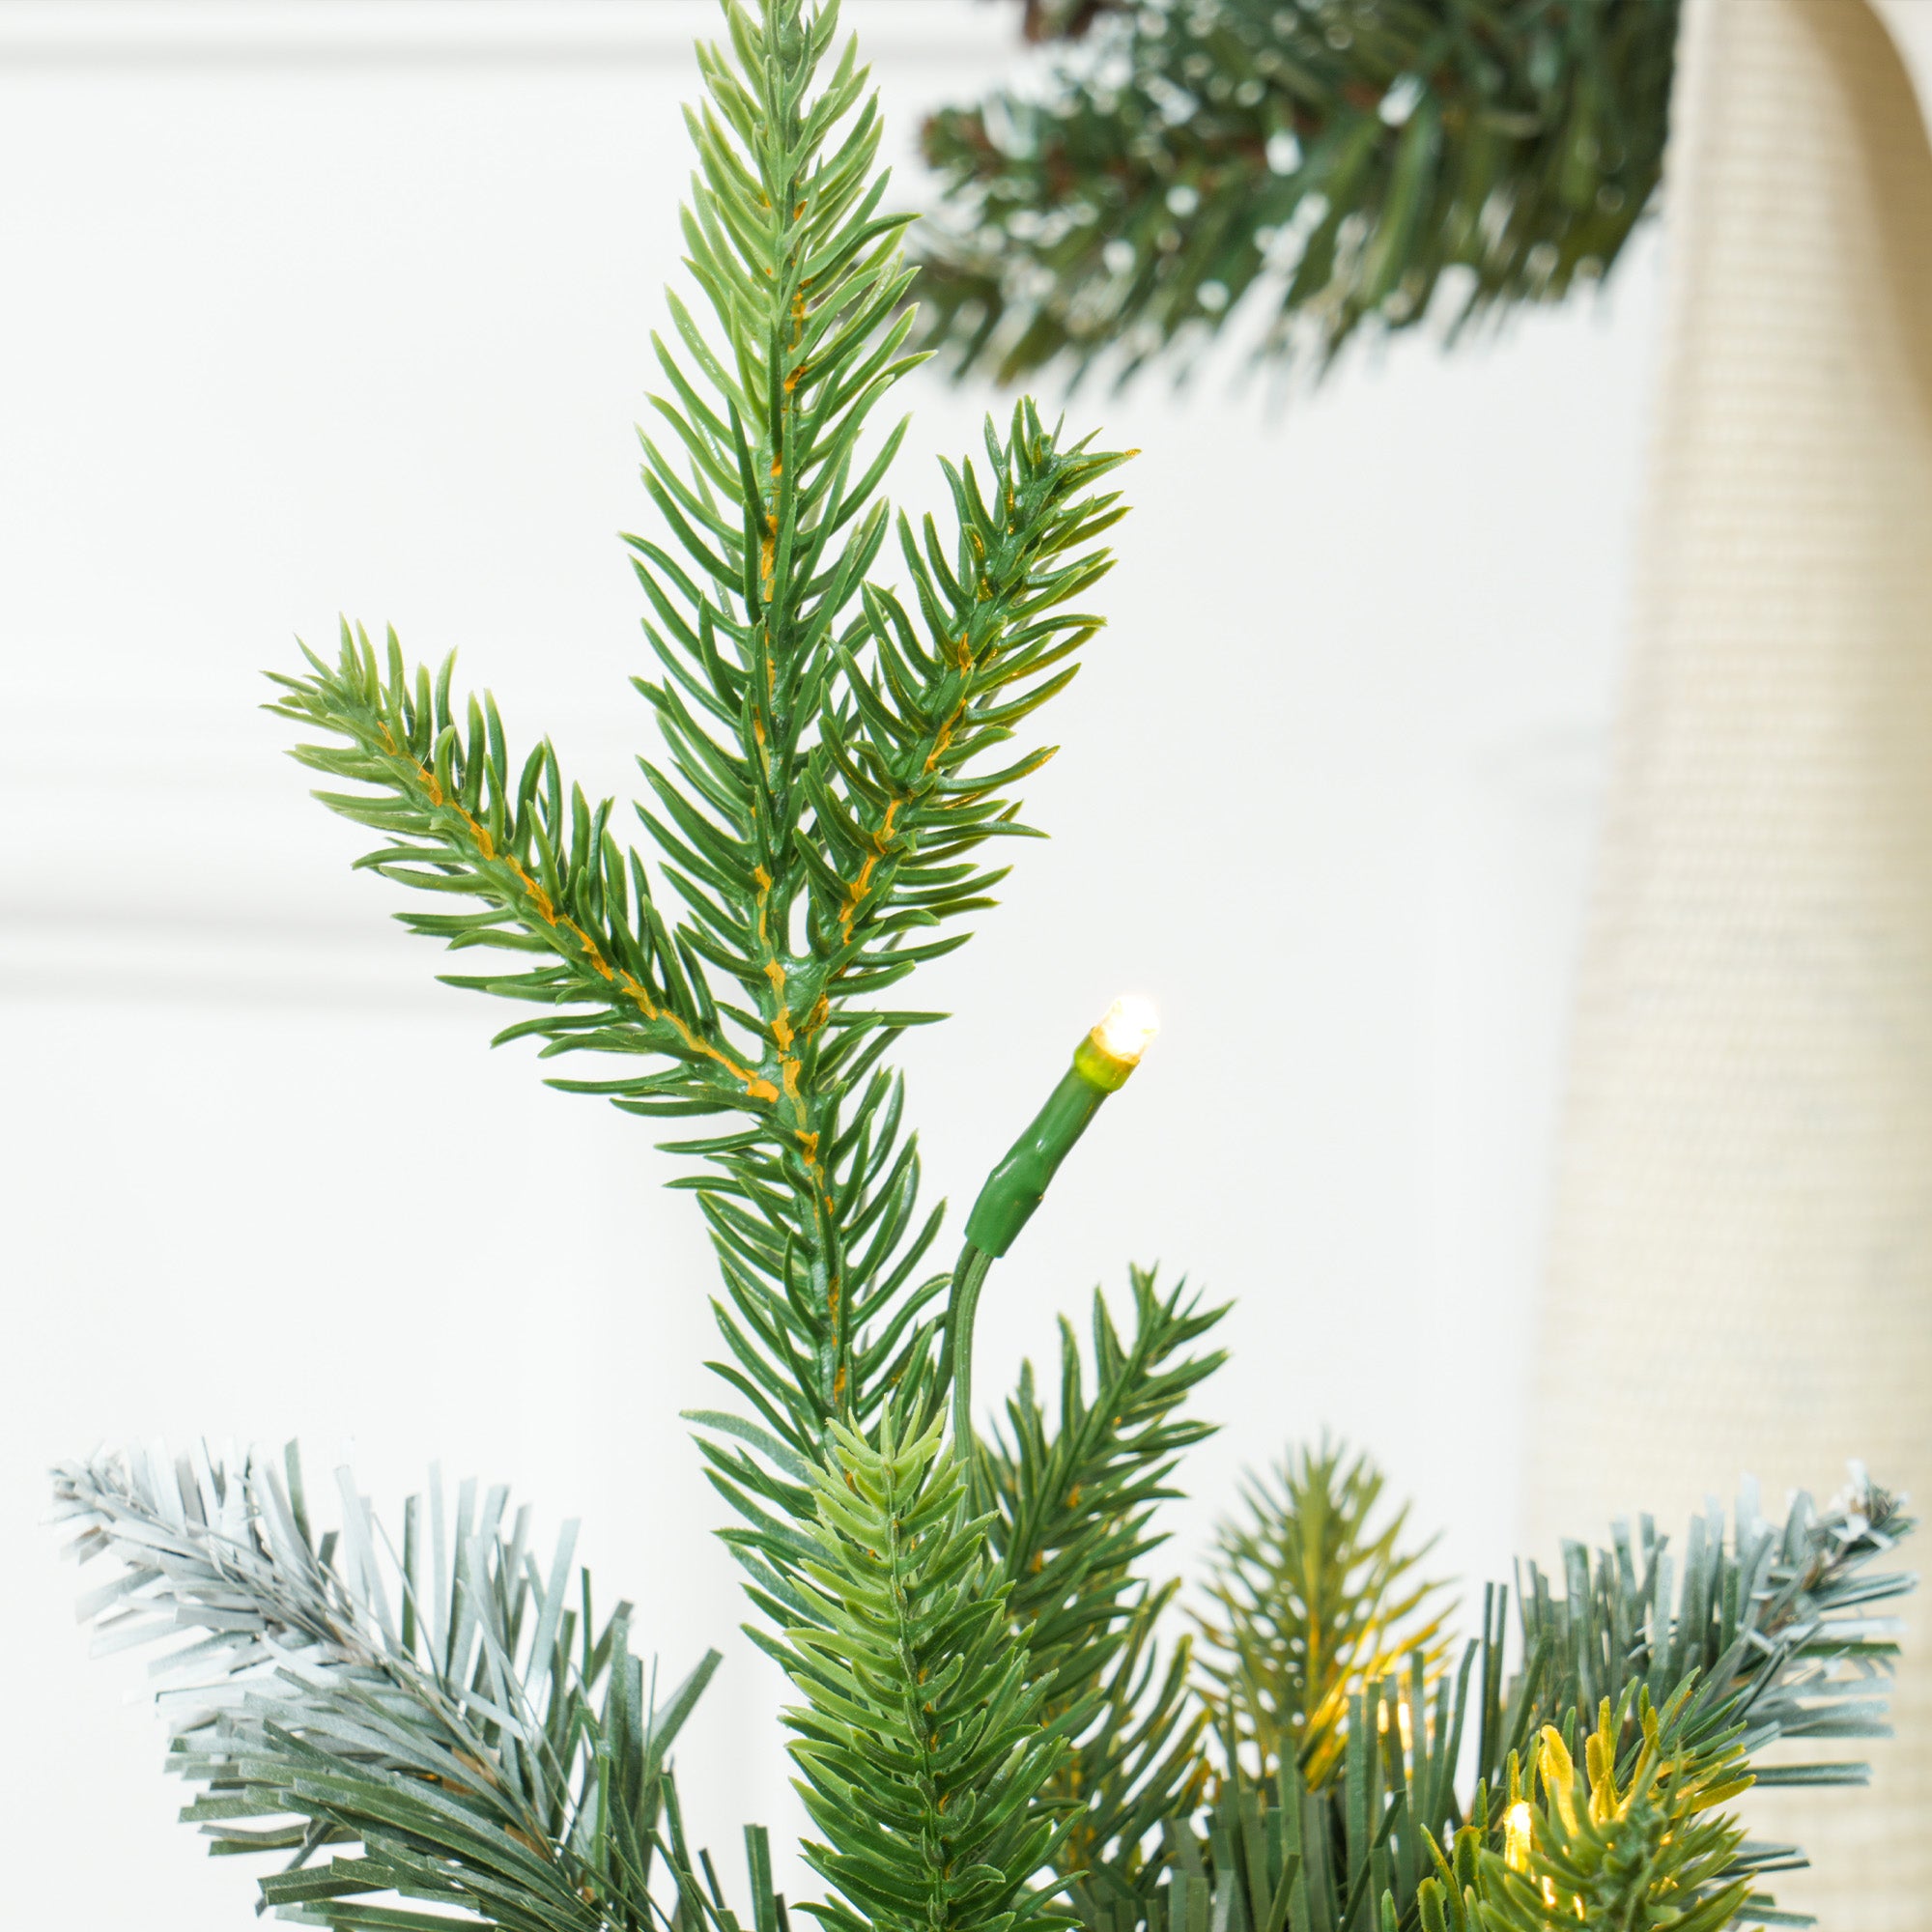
(1349, 160)
(1769, 1634)
(1316, 1597)
(1072, 1521)
(439, 1709)
(432, 1720)
(993, 1734)
(699, 1904)
(1245, 1870)
(920, 1750)
(1135, 1771)
(839, 753)
(1072, 1506)
(813, 1216)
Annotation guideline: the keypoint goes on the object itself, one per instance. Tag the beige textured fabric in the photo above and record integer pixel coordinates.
(1741, 1268)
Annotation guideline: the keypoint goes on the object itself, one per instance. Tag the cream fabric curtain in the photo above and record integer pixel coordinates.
(1741, 1266)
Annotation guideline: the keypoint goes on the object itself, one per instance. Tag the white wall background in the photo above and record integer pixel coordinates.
(344, 307)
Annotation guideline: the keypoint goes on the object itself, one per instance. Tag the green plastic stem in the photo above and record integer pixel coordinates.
(1013, 1189)
(1018, 1184)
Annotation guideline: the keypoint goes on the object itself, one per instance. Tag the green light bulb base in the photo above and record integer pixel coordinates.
(1017, 1185)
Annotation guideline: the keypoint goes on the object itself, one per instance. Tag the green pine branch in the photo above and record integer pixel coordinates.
(462, 818)
(828, 789)
(873, 849)
(1646, 1849)
(1317, 1595)
(1136, 1770)
(1074, 1505)
(839, 756)
(1345, 162)
(1072, 1510)
(1682, 1671)
(920, 1752)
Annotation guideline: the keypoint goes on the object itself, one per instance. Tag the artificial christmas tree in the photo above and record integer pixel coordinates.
(992, 1727)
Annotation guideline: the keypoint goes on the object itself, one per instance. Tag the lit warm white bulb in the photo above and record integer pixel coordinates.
(1518, 1834)
(1128, 1027)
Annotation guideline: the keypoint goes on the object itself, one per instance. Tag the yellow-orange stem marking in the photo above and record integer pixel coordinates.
(755, 1085)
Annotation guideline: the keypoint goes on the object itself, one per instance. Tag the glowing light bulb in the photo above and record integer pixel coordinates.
(1519, 1829)
(1128, 1028)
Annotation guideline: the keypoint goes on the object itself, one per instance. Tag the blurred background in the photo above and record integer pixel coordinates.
(345, 308)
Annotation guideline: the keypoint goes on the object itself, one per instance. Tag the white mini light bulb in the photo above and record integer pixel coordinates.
(1519, 1836)
(1129, 1027)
